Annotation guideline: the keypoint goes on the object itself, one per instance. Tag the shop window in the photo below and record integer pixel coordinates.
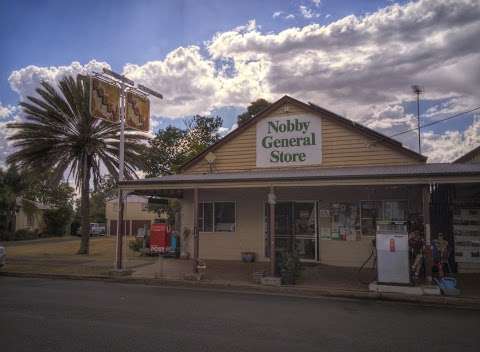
(351, 221)
(345, 221)
(394, 210)
(370, 213)
(224, 216)
(205, 217)
(387, 210)
(216, 217)
(339, 221)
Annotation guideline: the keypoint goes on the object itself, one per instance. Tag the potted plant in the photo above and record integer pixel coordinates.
(290, 268)
(248, 257)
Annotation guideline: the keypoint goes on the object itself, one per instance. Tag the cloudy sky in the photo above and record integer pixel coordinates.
(356, 58)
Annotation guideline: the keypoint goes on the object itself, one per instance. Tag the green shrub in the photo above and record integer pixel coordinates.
(136, 245)
(57, 220)
(25, 234)
(6, 236)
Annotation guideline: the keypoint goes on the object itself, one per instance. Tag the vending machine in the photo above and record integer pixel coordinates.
(159, 238)
(393, 265)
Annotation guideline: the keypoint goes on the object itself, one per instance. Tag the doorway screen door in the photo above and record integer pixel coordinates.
(295, 228)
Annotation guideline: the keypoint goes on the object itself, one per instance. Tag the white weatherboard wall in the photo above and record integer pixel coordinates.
(292, 140)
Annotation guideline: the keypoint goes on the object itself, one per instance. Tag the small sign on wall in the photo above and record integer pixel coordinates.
(293, 140)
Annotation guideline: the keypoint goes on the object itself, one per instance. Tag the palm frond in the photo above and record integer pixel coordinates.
(60, 135)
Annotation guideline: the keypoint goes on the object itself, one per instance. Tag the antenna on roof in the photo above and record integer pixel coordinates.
(418, 90)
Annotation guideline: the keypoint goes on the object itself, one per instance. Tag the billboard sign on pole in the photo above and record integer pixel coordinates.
(138, 112)
(104, 100)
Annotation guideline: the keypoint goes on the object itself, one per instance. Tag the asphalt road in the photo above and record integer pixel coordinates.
(57, 315)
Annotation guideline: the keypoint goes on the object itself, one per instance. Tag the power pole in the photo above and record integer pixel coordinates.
(418, 90)
(125, 86)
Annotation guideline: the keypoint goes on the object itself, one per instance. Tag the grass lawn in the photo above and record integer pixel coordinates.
(59, 257)
(100, 248)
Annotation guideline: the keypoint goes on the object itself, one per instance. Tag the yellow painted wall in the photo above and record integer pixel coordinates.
(249, 234)
(341, 147)
(133, 211)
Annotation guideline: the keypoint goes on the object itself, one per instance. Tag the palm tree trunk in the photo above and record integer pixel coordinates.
(85, 209)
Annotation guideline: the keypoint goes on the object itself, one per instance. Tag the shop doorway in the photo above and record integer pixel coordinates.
(295, 228)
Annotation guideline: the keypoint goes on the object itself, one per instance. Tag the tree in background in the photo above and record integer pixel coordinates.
(105, 190)
(254, 108)
(58, 196)
(11, 186)
(60, 135)
(36, 188)
(172, 147)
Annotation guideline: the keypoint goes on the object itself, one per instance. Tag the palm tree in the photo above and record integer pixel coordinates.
(60, 135)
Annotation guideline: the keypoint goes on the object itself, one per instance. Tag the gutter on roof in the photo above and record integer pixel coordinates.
(301, 178)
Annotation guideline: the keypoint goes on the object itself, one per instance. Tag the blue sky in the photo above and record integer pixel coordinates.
(52, 33)
(357, 58)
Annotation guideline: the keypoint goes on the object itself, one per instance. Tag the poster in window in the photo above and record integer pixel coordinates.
(138, 112)
(104, 100)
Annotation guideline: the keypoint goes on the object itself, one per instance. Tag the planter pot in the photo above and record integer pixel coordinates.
(288, 277)
(248, 257)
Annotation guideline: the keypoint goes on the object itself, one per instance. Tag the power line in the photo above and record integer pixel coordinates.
(435, 122)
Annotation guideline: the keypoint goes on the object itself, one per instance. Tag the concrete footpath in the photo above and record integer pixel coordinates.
(472, 303)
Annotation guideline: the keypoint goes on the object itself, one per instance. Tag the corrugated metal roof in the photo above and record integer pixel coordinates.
(420, 170)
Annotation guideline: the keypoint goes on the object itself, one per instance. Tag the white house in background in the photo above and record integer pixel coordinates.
(29, 215)
(136, 215)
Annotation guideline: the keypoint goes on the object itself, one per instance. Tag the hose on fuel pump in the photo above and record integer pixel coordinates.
(373, 254)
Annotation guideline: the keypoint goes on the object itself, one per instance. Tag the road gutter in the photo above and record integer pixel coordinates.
(293, 291)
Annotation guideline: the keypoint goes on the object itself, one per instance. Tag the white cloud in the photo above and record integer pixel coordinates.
(188, 81)
(12, 114)
(451, 145)
(277, 14)
(7, 111)
(358, 66)
(307, 12)
(26, 80)
(290, 16)
(317, 3)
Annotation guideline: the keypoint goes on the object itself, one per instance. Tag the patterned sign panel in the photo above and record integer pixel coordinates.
(104, 100)
(138, 112)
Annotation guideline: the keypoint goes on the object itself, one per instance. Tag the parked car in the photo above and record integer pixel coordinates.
(96, 229)
(3, 256)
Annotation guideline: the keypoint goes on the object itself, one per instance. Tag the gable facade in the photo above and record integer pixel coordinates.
(472, 156)
(336, 144)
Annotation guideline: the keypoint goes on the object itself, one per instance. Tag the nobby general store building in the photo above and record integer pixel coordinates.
(330, 178)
